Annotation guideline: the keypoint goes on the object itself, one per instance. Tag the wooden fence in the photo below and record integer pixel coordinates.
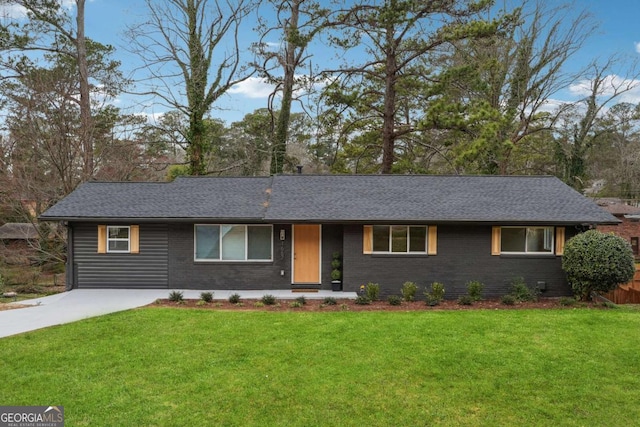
(629, 293)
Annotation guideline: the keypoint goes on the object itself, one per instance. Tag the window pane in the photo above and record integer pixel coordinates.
(118, 232)
(207, 242)
(417, 239)
(118, 246)
(259, 241)
(381, 238)
(513, 239)
(538, 240)
(233, 242)
(399, 239)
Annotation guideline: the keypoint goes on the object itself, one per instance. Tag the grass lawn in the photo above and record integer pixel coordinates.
(173, 367)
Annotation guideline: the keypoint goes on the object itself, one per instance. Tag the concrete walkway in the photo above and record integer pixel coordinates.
(81, 304)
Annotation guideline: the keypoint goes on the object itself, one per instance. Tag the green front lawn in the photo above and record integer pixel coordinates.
(185, 367)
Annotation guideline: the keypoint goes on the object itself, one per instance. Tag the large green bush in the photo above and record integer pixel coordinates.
(597, 262)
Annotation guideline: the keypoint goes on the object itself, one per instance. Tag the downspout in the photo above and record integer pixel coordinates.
(70, 265)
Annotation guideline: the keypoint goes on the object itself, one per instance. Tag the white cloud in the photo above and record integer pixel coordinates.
(9, 10)
(253, 87)
(611, 84)
(637, 46)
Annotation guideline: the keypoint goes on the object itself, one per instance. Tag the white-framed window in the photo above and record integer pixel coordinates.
(118, 239)
(527, 240)
(399, 239)
(227, 242)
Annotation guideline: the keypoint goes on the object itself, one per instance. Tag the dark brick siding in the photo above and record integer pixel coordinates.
(166, 260)
(185, 273)
(464, 254)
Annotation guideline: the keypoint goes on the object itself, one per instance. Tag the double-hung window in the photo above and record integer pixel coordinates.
(118, 239)
(399, 239)
(233, 242)
(528, 240)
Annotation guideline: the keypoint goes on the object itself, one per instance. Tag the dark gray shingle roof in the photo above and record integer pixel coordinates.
(200, 198)
(338, 198)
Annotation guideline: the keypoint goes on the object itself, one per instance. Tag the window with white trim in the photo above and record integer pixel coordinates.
(399, 239)
(218, 242)
(118, 239)
(528, 240)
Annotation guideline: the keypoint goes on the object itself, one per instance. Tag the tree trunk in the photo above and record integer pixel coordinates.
(279, 148)
(389, 109)
(85, 97)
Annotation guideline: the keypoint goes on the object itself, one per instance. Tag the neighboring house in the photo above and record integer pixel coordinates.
(280, 232)
(629, 227)
(16, 243)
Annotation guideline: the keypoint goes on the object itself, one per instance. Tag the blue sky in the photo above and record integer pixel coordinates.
(106, 20)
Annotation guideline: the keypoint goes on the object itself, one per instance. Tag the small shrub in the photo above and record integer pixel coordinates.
(258, 304)
(344, 307)
(295, 304)
(567, 301)
(362, 300)
(394, 300)
(330, 301)
(176, 296)
(465, 300)
(301, 300)
(372, 291)
(409, 290)
(609, 304)
(268, 299)
(436, 295)
(201, 302)
(158, 301)
(28, 289)
(206, 297)
(508, 299)
(234, 298)
(522, 292)
(475, 289)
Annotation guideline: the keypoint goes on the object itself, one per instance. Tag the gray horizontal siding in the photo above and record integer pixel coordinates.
(148, 269)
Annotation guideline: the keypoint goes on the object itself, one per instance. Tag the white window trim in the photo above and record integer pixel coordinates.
(117, 239)
(246, 244)
(525, 252)
(408, 251)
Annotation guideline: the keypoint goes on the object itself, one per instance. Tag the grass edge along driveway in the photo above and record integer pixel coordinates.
(166, 367)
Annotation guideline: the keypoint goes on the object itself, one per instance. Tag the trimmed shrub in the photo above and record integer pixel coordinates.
(206, 296)
(508, 299)
(234, 298)
(409, 290)
(436, 295)
(268, 299)
(521, 292)
(176, 296)
(372, 291)
(394, 300)
(362, 300)
(301, 300)
(597, 262)
(475, 289)
(465, 300)
(330, 301)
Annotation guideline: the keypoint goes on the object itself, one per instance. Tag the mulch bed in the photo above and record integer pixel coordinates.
(350, 305)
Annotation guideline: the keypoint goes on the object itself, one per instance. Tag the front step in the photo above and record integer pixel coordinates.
(305, 288)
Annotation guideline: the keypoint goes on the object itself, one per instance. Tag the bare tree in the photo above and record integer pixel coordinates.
(191, 57)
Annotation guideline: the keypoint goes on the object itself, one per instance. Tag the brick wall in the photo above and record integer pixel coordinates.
(628, 230)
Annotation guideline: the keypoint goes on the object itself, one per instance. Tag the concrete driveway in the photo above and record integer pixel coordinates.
(81, 304)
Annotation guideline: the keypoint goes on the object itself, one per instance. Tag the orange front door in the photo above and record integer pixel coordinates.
(306, 254)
